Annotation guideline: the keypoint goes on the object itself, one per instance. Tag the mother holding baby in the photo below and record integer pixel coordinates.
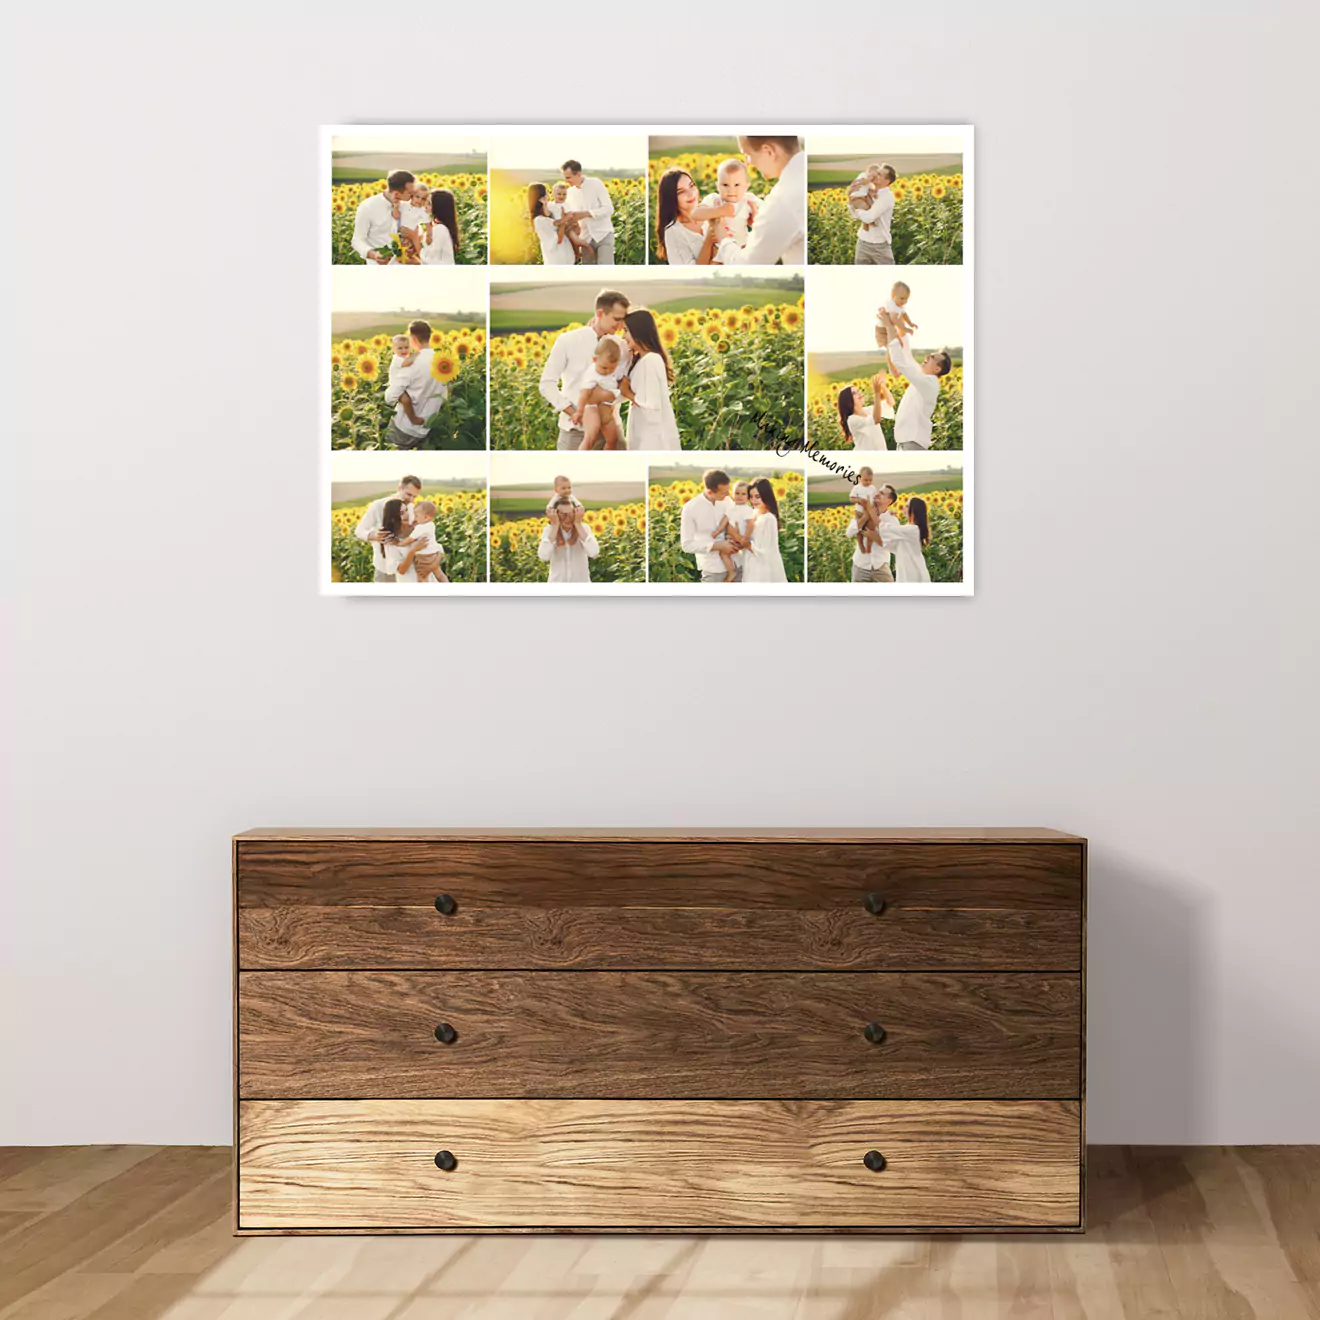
(556, 250)
(861, 425)
(680, 238)
(651, 420)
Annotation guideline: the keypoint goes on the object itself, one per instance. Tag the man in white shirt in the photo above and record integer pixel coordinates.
(567, 545)
(701, 515)
(589, 203)
(874, 241)
(571, 360)
(377, 219)
(913, 421)
(370, 527)
(873, 565)
(779, 233)
(424, 391)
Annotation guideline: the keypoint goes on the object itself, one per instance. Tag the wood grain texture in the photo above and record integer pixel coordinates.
(556, 874)
(610, 834)
(356, 1035)
(617, 1164)
(657, 938)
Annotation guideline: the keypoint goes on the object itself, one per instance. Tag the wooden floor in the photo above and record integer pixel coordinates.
(139, 1232)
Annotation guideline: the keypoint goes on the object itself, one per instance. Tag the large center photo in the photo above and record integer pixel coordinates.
(589, 359)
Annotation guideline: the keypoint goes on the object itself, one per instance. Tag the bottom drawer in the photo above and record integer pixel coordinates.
(658, 1164)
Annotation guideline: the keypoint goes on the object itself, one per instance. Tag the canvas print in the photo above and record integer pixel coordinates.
(578, 360)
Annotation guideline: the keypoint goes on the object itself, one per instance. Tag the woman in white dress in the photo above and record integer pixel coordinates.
(548, 231)
(391, 519)
(679, 239)
(441, 241)
(763, 563)
(908, 542)
(861, 424)
(651, 420)
(568, 549)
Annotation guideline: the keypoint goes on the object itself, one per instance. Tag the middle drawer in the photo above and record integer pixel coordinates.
(484, 1034)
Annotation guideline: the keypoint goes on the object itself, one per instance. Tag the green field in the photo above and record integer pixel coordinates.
(706, 147)
(818, 499)
(852, 373)
(397, 327)
(510, 508)
(429, 488)
(515, 320)
(823, 178)
(354, 174)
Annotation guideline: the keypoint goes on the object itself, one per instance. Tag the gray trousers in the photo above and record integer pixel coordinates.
(873, 254)
(383, 577)
(717, 575)
(909, 444)
(571, 439)
(598, 254)
(395, 437)
(872, 574)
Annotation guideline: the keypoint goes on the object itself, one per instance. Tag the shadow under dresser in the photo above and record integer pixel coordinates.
(473, 1031)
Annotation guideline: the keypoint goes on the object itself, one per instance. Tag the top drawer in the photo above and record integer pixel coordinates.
(747, 905)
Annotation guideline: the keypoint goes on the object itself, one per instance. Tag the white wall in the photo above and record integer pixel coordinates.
(1138, 665)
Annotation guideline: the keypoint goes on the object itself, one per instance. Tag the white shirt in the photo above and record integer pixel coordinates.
(860, 492)
(412, 216)
(426, 393)
(553, 252)
(683, 245)
(879, 555)
(568, 563)
(440, 250)
(912, 423)
(904, 539)
(865, 431)
(781, 223)
(764, 562)
(372, 520)
(740, 515)
(608, 381)
(373, 224)
(592, 195)
(880, 216)
(739, 221)
(696, 531)
(894, 310)
(570, 359)
(651, 420)
(424, 533)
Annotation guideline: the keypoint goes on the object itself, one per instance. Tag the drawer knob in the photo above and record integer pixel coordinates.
(445, 903)
(875, 904)
(872, 1159)
(445, 1034)
(445, 1160)
(873, 1032)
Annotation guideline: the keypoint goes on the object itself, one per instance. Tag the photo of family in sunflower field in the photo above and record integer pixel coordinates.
(650, 361)
(718, 523)
(408, 361)
(576, 200)
(886, 200)
(567, 518)
(407, 199)
(885, 359)
(413, 520)
(731, 201)
(895, 518)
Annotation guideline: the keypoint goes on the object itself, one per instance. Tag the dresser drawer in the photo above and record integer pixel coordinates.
(657, 1034)
(659, 905)
(619, 1164)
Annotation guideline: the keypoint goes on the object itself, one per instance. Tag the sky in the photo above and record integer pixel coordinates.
(418, 288)
(842, 301)
(389, 467)
(864, 144)
(542, 468)
(547, 153)
(429, 143)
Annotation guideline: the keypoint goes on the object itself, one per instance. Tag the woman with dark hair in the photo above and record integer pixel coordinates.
(556, 250)
(442, 232)
(680, 238)
(764, 563)
(908, 540)
(393, 521)
(651, 420)
(861, 424)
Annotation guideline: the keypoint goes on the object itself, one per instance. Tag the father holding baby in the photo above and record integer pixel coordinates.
(871, 564)
(589, 203)
(571, 361)
(414, 391)
(874, 207)
(698, 523)
(377, 219)
(914, 420)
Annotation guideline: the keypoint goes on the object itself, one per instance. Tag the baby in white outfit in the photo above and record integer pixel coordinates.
(600, 390)
(732, 201)
(413, 214)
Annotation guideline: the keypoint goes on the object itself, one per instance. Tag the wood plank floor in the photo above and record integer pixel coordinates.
(140, 1232)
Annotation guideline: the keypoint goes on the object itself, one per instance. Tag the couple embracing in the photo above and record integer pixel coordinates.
(573, 222)
(734, 536)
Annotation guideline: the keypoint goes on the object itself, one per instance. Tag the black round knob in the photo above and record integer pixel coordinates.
(445, 1160)
(445, 903)
(872, 1159)
(445, 1034)
(873, 1032)
(875, 904)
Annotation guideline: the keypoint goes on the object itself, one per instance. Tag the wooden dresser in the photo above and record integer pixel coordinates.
(853, 1031)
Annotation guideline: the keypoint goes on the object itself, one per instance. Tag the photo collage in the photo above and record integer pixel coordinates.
(545, 404)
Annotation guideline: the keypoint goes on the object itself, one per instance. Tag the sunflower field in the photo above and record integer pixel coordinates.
(825, 432)
(359, 374)
(620, 529)
(830, 551)
(514, 242)
(470, 192)
(703, 167)
(460, 527)
(670, 564)
(927, 228)
(737, 379)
